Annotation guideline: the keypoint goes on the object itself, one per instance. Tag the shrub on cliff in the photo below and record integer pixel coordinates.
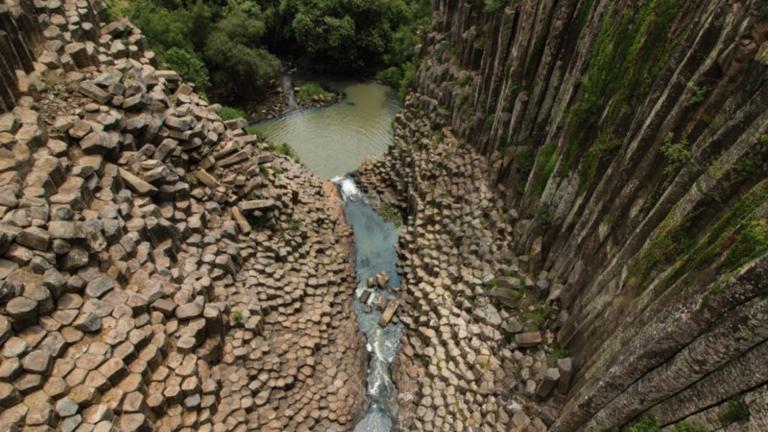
(188, 65)
(230, 113)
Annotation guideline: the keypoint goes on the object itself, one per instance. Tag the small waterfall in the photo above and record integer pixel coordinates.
(348, 187)
(290, 95)
(375, 240)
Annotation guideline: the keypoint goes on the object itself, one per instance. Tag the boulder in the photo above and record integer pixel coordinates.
(389, 312)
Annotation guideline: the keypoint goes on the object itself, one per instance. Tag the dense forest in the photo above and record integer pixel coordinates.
(231, 49)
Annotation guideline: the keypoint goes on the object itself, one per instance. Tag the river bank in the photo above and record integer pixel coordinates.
(282, 96)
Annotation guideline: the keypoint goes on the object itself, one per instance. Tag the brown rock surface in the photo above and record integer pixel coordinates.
(139, 292)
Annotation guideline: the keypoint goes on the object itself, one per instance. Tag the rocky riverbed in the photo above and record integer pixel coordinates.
(479, 317)
(161, 269)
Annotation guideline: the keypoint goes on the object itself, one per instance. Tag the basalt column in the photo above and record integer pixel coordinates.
(632, 139)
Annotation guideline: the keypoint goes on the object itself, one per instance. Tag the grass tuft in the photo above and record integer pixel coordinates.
(230, 113)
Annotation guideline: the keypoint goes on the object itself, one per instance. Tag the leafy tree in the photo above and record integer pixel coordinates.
(188, 65)
(224, 42)
(233, 50)
(342, 34)
(165, 29)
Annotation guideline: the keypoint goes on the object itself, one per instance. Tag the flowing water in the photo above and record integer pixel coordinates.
(290, 95)
(375, 240)
(332, 141)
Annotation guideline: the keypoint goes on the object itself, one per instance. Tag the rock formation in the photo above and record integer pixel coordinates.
(630, 138)
(583, 184)
(161, 269)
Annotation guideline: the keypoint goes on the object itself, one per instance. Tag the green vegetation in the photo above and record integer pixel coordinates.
(258, 133)
(672, 241)
(549, 157)
(237, 316)
(736, 238)
(399, 77)
(753, 164)
(229, 113)
(646, 424)
(283, 149)
(737, 412)
(235, 51)
(228, 47)
(685, 427)
(524, 160)
(492, 6)
(543, 217)
(537, 317)
(207, 43)
(390, 214)
(750, 243)
(603, 150)
(629, 53)
(699, 94)
(678, 154)
(399, 67)
(560, 353)
(189, 66)
(312, 91)
(293, 224)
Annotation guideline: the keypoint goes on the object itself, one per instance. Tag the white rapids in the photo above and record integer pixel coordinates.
(375, 241)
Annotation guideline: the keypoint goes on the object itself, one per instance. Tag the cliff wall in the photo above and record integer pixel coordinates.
(631, 138)
(20, 43)
(160, 268)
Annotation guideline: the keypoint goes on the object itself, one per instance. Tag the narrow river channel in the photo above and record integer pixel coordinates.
(332, 141)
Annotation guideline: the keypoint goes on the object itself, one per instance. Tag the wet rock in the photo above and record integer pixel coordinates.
(388, 313)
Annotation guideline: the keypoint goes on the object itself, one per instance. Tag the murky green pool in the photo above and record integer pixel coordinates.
(335, 140)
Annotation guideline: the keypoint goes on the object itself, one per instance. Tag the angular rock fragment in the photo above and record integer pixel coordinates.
(388, 313)
(138, 185)
(94, 92)
(529, 339)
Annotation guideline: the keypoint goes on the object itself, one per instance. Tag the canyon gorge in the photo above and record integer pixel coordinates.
(564, 230)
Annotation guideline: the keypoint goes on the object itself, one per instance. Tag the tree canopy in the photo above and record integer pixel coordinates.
(226, 47)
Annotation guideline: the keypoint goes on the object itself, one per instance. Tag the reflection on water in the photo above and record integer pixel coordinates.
(336, 139)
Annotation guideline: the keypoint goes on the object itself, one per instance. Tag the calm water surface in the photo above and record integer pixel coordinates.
(335, 140)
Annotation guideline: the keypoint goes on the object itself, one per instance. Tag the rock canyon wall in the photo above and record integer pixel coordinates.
(584, 184)
(160, 269)
(632, 139)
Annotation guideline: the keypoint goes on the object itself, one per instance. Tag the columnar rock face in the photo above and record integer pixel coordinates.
(141, 288)
(20, 44)
(632, 139)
